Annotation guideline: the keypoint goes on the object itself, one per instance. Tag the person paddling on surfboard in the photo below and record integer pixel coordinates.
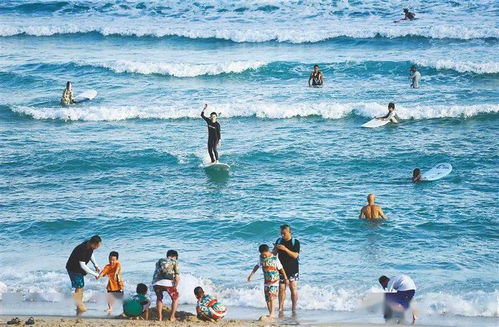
(316, 78)
(416, 176)
(391, 115)
(67, 95)
(407, 16)
(214, 135)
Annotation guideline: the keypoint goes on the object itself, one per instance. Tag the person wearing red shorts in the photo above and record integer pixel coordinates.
(166, 278)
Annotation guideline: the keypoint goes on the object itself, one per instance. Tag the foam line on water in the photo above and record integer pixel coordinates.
(259, 110)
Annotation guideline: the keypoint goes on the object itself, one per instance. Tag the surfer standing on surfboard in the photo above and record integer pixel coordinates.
(391, 115)
(214, 135)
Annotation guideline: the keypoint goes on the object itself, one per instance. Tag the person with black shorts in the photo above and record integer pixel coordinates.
(287, 249)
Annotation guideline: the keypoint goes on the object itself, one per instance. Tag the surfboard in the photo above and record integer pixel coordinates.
(373, 123)
(439, 171)
(219, 166)
(85, 96)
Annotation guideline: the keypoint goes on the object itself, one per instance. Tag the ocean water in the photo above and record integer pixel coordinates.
(128, 165)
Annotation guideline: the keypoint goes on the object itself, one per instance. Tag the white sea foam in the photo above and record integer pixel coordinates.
(259, 110)
(179, 69)
(55, 287)
(462, 67)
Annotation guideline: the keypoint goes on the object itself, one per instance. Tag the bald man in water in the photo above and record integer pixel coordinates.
(371, 210)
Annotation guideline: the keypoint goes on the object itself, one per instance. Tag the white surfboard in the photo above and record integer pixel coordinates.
(373, 123)
(85, 96)
(439, 171)
(218, 166)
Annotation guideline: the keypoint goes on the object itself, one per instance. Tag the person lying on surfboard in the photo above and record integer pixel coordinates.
(67, 95)
(214, 135)
(416, 176)
(407, 16)
(391, 115)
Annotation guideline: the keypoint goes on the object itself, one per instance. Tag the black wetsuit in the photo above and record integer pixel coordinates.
(316, 81)
(214, 137)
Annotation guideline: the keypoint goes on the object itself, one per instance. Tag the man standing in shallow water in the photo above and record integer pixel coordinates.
(288, 250)
(77, 268)
(371, 210)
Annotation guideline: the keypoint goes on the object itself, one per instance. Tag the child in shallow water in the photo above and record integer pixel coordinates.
(115, 283)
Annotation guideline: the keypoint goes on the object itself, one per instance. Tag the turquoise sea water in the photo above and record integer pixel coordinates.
(128, 165)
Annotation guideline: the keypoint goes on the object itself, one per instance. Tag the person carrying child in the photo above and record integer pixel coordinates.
(115, 282)
(271, 267)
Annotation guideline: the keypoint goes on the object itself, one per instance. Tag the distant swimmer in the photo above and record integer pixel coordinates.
(67, 95)
(407, 16)
(316, 78)
(214, 134)
(391, 115)
(371, 210)
(416, 176)
(400, 290)
(415, 77)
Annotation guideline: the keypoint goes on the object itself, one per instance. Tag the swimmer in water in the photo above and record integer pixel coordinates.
(416, 176)
(67, 95)
(391, 115)
(316, 78)
(371, 210)
(415, 77)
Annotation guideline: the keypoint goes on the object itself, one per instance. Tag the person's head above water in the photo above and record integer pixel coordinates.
(69, 85)
(406, 10)
(383, 280)
(316, 68)
(286, 232)
(391, 106)
(213, 117)
(198, 292)
(413, 68)
(416, 172)
(370, 199)
(172, 254)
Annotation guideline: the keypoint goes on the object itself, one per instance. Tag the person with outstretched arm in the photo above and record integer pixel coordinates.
(214, 135)
(408, 15)
(77, 268)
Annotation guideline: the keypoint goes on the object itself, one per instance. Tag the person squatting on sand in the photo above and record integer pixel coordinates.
(208, 308)
(214, 135)
(138, 304)
(371, 210)
(166, 278)
(400, 291)
(115, 284)
(287, 249)
(271, 267)
(77, 268)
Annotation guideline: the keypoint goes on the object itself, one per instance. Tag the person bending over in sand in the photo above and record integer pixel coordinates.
(115, 283)
(287, 249)
(77, 268)
(415, 77)
(316, 78)
(67, 95)
(137, 305)
(407, 16)
(214, 135)
(166, 278)
(400, 291)
(271, 267)
(371, 210)
(391, 115)
(208, 308)
(416, 176)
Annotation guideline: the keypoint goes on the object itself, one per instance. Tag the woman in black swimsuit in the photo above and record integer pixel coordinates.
(316, 78)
